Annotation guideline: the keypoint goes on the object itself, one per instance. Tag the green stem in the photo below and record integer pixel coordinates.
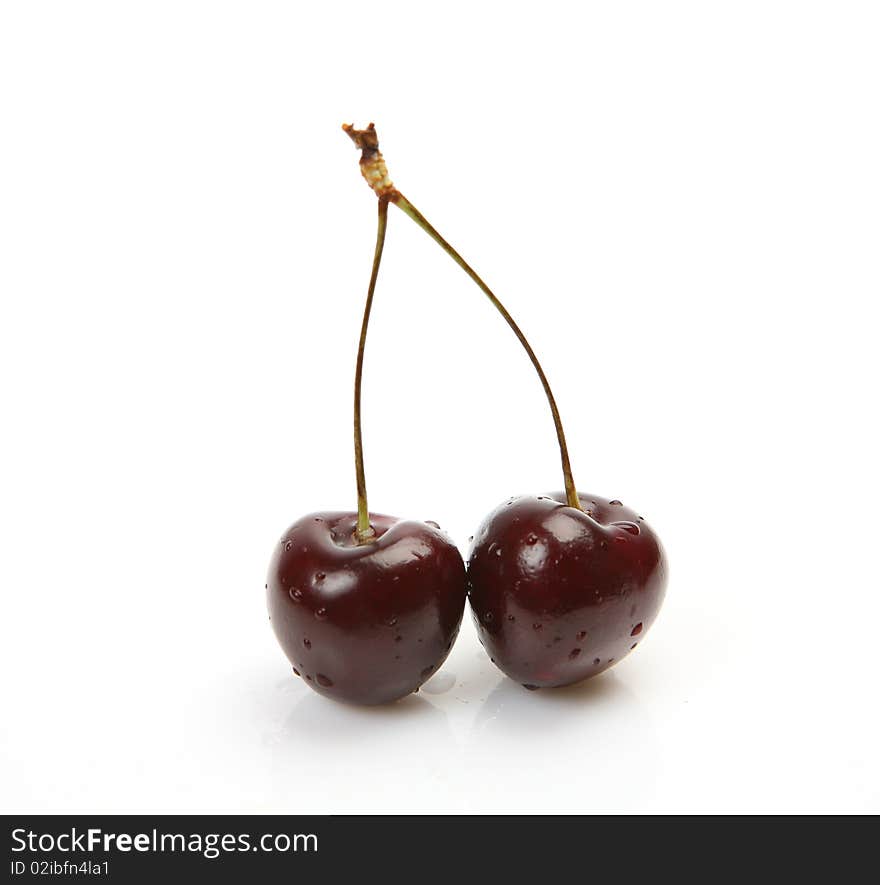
(364, 532)
(404, 204)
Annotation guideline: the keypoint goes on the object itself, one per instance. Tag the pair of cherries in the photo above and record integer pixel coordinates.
(367, 607)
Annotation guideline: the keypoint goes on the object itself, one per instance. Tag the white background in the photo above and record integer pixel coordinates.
(678, 201)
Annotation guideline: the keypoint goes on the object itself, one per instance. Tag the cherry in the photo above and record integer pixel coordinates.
(366, 607)
(366, 623)
(560, 592)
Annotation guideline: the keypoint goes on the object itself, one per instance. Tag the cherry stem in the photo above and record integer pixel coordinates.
(404, 205)
(375, 173)
(364, 533)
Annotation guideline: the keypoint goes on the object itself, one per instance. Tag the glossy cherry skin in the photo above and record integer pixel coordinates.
(365, 623)
(559, 595)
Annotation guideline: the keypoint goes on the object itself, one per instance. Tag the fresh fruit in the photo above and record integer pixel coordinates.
(559, 590)
(559, 594)
(366, 607)
(365, 622)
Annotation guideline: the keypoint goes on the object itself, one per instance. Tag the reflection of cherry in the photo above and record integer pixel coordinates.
(366, 607)
(560, 594)
(560, 591)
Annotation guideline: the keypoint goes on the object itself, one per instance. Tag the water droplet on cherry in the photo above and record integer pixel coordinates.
(630, 527)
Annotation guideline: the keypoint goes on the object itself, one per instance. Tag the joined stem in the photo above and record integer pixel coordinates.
(364, 532)
(375, 173)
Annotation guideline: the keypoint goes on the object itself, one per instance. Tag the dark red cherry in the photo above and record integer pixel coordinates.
(560, 594)
(366, 623)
